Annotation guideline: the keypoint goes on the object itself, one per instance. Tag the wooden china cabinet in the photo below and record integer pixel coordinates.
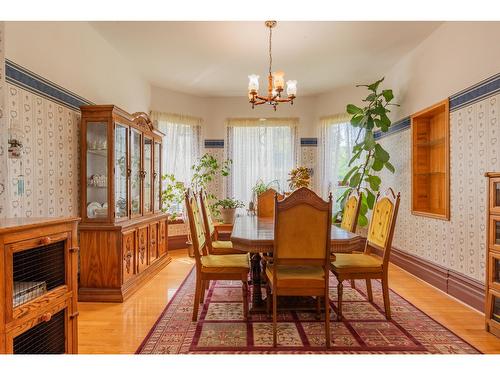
(492, 311)
(123, 232)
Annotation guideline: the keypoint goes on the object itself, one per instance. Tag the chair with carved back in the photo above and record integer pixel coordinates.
(265, 203)
(213, 267)
(301, 257)
(359, 266)
(351, 211)
(214, 245)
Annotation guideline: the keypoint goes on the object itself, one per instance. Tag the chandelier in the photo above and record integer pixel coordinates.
(275, 82)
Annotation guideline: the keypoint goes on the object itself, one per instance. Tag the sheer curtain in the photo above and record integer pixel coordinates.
(337, 137)
(260, 149)
(181, 144)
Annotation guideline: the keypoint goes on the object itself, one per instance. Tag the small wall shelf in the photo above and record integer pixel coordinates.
(431, 161)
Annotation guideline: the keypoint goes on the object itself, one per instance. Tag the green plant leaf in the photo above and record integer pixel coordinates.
(388, 95)
(369, 142)
(355, 156)
(389, 166)
(370, 198)
(381, 154)
(355, 180)
(377, 165)
(348, 175)
(374, 182)
(353, 110)
(362, 220)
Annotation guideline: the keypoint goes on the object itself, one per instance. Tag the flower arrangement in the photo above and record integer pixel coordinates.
(299, 177)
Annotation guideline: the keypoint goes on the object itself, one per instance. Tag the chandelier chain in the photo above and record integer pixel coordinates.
(270, 54)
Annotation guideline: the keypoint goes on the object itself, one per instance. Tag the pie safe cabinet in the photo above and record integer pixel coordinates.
(123, 233)
(492, 310)
(38, 286)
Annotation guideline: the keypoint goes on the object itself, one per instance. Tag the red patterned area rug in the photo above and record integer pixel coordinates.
(221, 328)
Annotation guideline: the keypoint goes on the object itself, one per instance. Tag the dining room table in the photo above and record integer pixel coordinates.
(255, 236)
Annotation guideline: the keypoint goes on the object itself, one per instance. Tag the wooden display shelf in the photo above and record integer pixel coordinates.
(431, 162)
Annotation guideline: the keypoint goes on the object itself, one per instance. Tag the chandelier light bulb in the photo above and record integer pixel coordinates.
(291, 88)
(279, 80)
(253, 82)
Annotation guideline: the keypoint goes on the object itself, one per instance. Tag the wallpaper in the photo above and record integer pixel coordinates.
(458, 244)
(3, 127)
(44, 181)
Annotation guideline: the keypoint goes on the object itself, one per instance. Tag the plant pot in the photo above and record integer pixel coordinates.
(227, 215)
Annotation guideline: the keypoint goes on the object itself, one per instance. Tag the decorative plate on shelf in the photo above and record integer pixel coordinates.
(91, 207)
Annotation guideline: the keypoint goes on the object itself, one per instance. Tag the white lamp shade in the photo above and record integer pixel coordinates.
(291, 88)
(279, 80)
(253, 82)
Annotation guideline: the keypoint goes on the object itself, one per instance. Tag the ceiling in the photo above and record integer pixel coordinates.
(215, 58)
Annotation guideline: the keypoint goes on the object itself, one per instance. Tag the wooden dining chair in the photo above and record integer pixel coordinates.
(265, 203)
(213, 267)
(214, 245)
(301, 257)
(351, 211)
(364, 265)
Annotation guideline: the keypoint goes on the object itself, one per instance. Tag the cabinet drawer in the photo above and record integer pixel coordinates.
(142, 248)
(128, 254)
(153, 242)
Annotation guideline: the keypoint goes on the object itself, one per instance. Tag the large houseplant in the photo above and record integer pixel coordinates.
(369, 157)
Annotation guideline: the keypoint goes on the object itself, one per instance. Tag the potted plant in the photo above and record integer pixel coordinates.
(227, 208)
(373, 158)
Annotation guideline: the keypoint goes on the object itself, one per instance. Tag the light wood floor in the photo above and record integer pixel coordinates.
(121, 327)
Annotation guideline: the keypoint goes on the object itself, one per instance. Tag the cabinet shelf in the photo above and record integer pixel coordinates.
(101, 153)
(430, 162)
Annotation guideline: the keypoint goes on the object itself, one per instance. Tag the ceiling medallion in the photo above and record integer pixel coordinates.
(276, 82)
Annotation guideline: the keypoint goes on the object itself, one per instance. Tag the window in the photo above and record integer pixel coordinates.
(338, 137)
(181, 146)
(260, 149)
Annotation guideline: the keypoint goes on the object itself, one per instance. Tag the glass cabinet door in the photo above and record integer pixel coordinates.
(157, 177)
(495, 232)
(496, 309)
(148, 166)
(121, 167)
(495, 195)
(97, 170)
(135, 172)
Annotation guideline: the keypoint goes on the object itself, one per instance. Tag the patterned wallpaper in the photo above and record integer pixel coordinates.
(49, 167)
(3, 127)
(458, 244)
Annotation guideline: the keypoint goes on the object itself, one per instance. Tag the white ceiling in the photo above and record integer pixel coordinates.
(215, 58)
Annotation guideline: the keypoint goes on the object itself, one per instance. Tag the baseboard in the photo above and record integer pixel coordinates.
(177, 242)
(463, 288)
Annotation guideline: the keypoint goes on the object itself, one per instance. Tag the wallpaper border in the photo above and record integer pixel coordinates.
(468, 96)
(26, 79)
(214, 143)
(308, 142)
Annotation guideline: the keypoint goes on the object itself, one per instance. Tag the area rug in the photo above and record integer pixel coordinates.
(221, 328)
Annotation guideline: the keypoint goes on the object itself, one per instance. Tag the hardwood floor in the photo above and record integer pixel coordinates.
(121, 327)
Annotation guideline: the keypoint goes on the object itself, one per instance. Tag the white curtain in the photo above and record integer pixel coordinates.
(181, 144)
(337, 137)
(260, 149)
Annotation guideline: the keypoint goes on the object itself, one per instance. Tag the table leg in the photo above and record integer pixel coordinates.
(257, 301)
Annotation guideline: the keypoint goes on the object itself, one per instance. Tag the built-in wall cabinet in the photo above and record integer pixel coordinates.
(493, 259)
(123, 233)
(431, 161)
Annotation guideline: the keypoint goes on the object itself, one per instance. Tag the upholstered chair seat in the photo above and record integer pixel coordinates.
(225, 263)
(296, 276)
(353, 263)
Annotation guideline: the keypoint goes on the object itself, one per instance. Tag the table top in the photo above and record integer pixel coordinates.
(252, 232)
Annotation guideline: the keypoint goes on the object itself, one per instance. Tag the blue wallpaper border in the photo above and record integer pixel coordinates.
(308, 142)
(395, 128)
(214, 143)
(477, 92)
(19, 76)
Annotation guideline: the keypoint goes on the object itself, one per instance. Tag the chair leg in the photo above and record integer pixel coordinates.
(327, 319)
(353, 284)
(245, 297)
(385, 291)
(318, 307)
(268, 299)
(340, 289)
(275, 318)
(197, 294)
(204, 284)
(369, 290)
